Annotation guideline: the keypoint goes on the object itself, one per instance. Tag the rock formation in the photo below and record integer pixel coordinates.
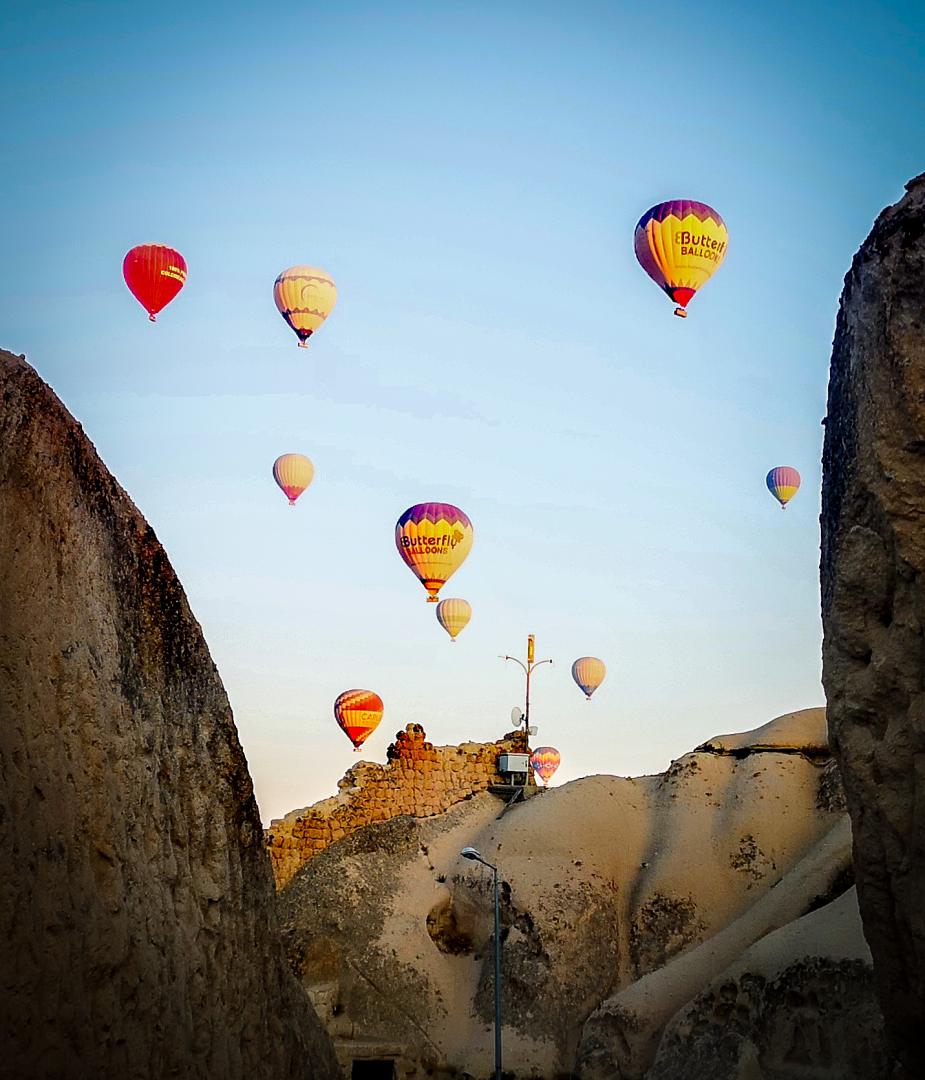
(622, 901)
(420, 779)
(140, 935)
(873, 599)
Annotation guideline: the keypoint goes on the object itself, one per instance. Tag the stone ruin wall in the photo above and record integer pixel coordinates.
(419, 779)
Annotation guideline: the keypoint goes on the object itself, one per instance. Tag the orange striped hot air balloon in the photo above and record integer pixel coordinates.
(293, 473)
(545, 760)
(589, 673)
(680, 244)
(358, 713)
(453, 615)
(154, 274)
(783, 483)
(305, 297)
(434, 540)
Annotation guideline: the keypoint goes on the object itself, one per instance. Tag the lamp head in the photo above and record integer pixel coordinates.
(471, 853)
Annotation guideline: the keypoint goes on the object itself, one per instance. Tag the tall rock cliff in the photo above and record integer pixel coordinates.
(139, 931)
(873, 599)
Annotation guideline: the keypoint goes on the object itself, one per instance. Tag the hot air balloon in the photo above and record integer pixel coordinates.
(589, 673)
(783, 483)
(680, 244)
(453, 615)
(434, 540)
(545, 760)
(154, 275)
(305, 297)
(293, 473)
(358, 713)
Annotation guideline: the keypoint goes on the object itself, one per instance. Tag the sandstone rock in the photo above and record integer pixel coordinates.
(606, 883)
(873, 599)
(798, 1003)
(139, 930)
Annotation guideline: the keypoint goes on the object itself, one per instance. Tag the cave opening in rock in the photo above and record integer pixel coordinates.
(372, 1069)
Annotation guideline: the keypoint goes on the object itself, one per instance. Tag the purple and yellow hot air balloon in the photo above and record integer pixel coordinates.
(545, 760)
(589, 673)
(453, 615)
(358, 713)
(680, 245)
(434, 540)
(783, 483)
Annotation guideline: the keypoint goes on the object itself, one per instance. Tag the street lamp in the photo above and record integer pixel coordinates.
(475, 856)
(528, 671)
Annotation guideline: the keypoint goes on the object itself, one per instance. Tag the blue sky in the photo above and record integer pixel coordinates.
(471, 176)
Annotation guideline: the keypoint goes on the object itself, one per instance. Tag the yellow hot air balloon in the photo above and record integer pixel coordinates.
(305, 297)
(453, 615)
(589, 673)
(293, 473)
(434, 540)
(680, 244)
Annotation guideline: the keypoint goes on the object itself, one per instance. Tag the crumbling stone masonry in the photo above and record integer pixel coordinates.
(420, 779)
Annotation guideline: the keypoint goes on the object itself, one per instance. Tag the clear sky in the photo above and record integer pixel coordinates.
(471, 175)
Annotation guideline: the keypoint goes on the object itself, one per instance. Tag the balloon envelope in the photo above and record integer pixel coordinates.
(589, 673)
(434, 540)
(680, 244)
(305, 296)
(453, 615)
(293, 473)
(545, 760)
(358, 713)
(783, 483)
(154, 274)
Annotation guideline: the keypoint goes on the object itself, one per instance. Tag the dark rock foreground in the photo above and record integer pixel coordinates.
(139, 930)
(873, 599)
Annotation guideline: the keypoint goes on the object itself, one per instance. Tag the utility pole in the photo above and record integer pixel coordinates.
(528, 670)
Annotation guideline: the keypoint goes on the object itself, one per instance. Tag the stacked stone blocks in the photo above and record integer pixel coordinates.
(419, 779)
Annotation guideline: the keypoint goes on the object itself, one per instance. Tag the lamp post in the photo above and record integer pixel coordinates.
(528, 669)
(471, 853)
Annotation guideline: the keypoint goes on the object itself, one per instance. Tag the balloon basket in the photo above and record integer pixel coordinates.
(680, 312)
(152, 318)
(303, 344)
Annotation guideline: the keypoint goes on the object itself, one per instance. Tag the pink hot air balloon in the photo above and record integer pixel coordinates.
(783, 483)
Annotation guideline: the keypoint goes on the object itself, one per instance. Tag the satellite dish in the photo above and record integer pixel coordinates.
(516, 715)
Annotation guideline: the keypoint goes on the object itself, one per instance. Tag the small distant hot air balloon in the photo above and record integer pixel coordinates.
(358, 713)
(453, 615)
(434, 540)
(783, 483)
(589, 673)
(154, 274)
(545, 760)
(293, 473)
(680, 244)
(305, 297)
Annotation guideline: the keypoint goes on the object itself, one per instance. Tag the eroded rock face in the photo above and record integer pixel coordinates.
(873, 599)
(139, 930)
(621, 900)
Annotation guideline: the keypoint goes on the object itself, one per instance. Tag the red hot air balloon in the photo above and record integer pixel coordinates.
(154, 274)
(358, 713)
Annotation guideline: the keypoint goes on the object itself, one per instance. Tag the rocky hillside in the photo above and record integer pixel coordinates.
(139, 929)
(625, 902)
(873, 598)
